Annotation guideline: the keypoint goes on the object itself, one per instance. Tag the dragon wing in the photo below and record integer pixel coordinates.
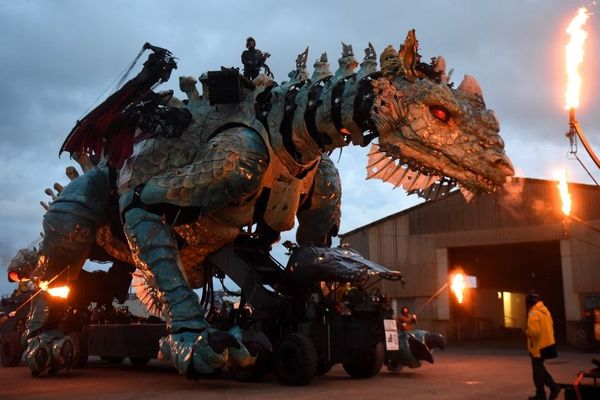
(109, 128)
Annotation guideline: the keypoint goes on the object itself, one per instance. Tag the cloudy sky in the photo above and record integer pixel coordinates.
(57, 57)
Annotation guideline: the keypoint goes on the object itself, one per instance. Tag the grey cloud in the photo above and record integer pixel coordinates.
(58, 56)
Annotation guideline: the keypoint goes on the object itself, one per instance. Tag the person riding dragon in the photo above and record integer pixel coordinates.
(172, 181)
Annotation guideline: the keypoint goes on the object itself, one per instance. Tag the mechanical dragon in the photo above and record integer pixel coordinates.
(172, 181)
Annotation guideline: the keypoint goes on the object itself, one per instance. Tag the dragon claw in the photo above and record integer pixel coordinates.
(50, 351)
(219, 341)
(197, 354)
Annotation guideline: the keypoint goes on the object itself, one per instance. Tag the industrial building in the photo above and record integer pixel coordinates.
(506, 243)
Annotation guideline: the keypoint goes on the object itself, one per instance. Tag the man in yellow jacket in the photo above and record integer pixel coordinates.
(541, 345)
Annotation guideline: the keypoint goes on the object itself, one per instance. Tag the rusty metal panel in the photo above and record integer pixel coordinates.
(585, 256)
(374, 239)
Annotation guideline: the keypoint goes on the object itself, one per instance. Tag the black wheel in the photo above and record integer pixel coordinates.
(394, 366)
(138, 361)
(257, 371)
(80, 344)
(112, 360)
(11, 350)
(366, 365)
(583, 341)
(323, 367)
(296, 360)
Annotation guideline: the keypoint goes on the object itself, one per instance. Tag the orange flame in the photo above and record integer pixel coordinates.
(563, 189)
(457, 285)
(574, 57)
(59, 291)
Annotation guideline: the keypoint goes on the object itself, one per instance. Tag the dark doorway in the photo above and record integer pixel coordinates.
(517, 268)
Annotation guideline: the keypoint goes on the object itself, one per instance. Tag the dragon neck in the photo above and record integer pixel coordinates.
(315, 117)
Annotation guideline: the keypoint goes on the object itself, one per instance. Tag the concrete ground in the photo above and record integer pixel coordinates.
(463, 371)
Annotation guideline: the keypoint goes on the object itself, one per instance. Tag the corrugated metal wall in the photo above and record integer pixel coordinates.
(407, 241)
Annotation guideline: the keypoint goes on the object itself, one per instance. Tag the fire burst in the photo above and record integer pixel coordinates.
(574, 57)
(563, 189)
(458, 285)
(60, 291)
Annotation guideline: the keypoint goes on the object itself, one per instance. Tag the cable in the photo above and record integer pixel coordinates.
(582, 222)
(121, 77)
(584, 241)
(586, 170)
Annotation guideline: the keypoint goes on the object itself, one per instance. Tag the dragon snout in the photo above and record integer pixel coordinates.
(503, 164)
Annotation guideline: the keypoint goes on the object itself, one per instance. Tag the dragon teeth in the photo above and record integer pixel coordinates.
(467, 194)
(435, 189)
(412, 181)
(398, 176)
(374, 149)
(381, 169)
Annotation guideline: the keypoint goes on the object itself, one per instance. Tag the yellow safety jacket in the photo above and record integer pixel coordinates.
(540, 330)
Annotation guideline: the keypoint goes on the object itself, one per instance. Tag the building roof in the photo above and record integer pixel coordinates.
(525, 181)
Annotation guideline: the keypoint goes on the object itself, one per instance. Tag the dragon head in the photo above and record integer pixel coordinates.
(433, 137)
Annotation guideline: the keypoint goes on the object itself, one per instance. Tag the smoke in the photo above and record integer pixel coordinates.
(542, 207)
(512, 200)
(512, 197)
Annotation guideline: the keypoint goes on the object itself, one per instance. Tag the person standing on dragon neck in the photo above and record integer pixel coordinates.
(253, 59)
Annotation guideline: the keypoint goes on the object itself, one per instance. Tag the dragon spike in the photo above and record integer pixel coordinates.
(347, 50)
(58, 187)
(470, 86)
(439, 66)
(321, 69)
(51, 193)
(301, 59)
(390, 63)
(369, 64)
(370, 53)
(45, 205)
(71, 172)
(347, 63)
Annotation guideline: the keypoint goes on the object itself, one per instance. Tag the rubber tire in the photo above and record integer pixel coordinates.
(80, 343)
(256, 372)
(112, 360)
(366, 365)
(323, 367)
(583, 341)
(295, 360)
(138, 361)
(11, 351)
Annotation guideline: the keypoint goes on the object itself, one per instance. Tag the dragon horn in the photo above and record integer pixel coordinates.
(408, 55)
(469, 85)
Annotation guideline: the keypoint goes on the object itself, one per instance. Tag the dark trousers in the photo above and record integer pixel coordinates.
(250, 73)
(541, 377)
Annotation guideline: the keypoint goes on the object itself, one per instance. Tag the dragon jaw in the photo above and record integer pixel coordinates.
(433, 137)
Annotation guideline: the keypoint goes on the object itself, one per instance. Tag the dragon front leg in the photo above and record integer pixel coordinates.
(319, 216)
(70, 227)
(229, 172)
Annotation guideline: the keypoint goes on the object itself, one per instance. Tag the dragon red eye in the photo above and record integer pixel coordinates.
(439, 113)
(13, 276)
